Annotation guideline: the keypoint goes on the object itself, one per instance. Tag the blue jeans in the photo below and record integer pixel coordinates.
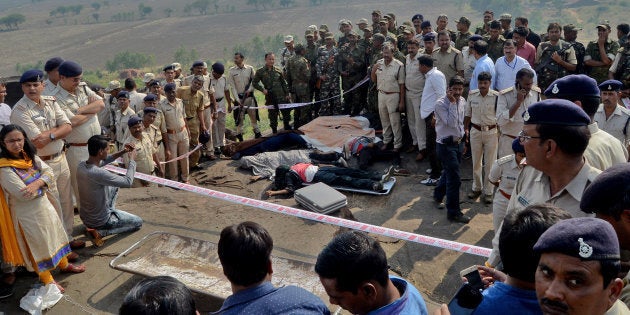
(120, 222)
(347, 177)
(449, 183)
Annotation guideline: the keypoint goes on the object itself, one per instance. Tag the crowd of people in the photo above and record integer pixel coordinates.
(543, 117)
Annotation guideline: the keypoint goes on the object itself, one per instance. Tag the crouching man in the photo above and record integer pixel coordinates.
(99, 189)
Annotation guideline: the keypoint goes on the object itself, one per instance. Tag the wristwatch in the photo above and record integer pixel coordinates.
(52, 136)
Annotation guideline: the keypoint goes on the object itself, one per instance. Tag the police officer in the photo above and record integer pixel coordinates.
(270, 81)
(503, 174)
(554, 58)
(240, 78)
(176, 138)
(52, 71)
(611, 117)
(193, 100)
(480, 115)
(495, 41)
(121, 117)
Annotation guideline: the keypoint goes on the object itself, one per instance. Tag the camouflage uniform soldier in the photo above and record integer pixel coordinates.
(328, 75)
(298, 78)
(352, 69)
(274, 86)
(620, 69)
(495, 41)
(554, 58)
(311, 55)
(570, 36)
(345, 26)
(600, 54)
(463, 33)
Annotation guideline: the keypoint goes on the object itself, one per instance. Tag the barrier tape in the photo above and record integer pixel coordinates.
(183, 155)
(322, 218)
(294, 105)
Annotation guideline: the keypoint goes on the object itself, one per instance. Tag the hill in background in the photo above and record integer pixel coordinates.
(99, 30)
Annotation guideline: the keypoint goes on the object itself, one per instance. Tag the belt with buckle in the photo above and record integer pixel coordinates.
(483, 128)
(78, 144)
(50, 157)
(385, 92)
(173, 131)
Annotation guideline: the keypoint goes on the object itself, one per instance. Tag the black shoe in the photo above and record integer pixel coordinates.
(257, 135)
(196, 168)
(287, 127)
(460, 218)
(274, 130)
(6, 290)
(239, 137)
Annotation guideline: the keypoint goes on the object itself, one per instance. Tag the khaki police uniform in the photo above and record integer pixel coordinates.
(178, 137)
(414, 85)
(617, 124)
(240, 82)
(193, 104)
(121, 127)
(144, 157)
(77, 139)
(604, 150)
(483, 136)
(505, 171)
(38, 118)
(533, 187)
(220, 88)
(450, 62)
(388, 80)
(510, 127)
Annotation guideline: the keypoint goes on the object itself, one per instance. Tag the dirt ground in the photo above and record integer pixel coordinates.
(433, 271)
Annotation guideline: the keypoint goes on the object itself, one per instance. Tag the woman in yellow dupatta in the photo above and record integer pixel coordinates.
(30, 229)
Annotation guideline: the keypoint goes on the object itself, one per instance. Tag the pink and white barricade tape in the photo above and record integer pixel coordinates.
(374, 229)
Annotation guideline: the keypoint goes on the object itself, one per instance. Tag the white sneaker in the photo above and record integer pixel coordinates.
(430, 182)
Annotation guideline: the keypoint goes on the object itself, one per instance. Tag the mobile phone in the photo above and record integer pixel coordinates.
(465, 300)
(473, 277)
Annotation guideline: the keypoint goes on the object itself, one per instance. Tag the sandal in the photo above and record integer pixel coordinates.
(71, 268)
(95, 237)
(72, 257)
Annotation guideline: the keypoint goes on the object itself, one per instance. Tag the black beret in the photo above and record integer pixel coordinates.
(150, 109)
(150, 97)
(417, 17)
(429, 37)
(425, 24)
(123, 94)
(170, 87)
(611, 85)
(495, 25)
(218, 68)
(70, 69)
(33, 75)
(475, 38)
(608, 190)
(52, 64)
(517, 147)
(583, 238)
(169, 67)
(555, 112)
(572, 85)
(197, 63)
(134, 120)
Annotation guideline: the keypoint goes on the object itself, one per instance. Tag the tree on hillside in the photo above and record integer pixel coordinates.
(75, 9)
(266, 3)
(12, 21)
(254, 3)
(144, 10)
(202, 6)
(168, 12)
(185, 56)
(127, 60)
(286, 3)
(95, 16)
(96, 6)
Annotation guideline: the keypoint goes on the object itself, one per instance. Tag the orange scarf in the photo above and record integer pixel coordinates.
(10, 249)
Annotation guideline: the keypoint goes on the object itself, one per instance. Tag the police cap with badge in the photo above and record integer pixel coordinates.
(558, 112)
(134, 120)
(70, 69)
(611, 85)
(608, 193)
(583, 238)
(572, 87)
(33, 75)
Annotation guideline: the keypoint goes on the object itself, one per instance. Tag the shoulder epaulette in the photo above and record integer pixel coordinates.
(508, 90)
(476, 91)
(536, 89)
(505, 159)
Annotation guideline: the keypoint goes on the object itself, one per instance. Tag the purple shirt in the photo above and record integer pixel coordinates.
(449, 118)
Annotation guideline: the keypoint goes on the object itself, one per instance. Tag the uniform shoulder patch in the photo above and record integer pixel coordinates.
(49, 97)
(473, 92)
(493, 92)
(505, 159)
(536, 89)
(508, 90)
